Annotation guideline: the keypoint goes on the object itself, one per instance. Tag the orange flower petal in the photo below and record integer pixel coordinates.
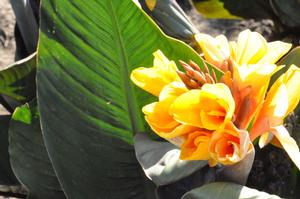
(195, 146)
(210, 108)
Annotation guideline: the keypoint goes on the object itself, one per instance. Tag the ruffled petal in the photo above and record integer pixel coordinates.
(155, 78)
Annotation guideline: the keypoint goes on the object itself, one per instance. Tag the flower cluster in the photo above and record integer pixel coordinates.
(217, 119)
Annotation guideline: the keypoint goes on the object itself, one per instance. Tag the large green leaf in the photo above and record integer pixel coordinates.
(7, 176)
(28, 154)
(89, 108)
(17, 81)
(225, 190)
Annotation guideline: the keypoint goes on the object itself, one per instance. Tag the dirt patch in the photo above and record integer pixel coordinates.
(7, 41)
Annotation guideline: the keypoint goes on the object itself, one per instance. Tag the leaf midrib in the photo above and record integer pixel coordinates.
(132, 106)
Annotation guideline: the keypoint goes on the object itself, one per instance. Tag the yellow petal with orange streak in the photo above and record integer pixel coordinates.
(221, 94)
(195, 146)
(288, 143)
(198, 107)
(172, 90)
(251, 47)
(292, 82)
(276, 50)
(185, 108)
(153, 79)
(170, 133)
(265, 139)
(229, 149)
(157, 115)
(215, 50)
(254, 75)
(281, 100)
(283, 96)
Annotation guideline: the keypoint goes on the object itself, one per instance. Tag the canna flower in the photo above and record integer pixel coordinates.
(250, 83)
(210, 107)
(155, 78)
(227, 146)
(158, 116)
(281, 100)
(216, 50)
(250, 48)
(196, 145)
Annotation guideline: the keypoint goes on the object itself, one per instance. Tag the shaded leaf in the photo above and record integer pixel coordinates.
(213, 9)
(160, 161)
(292, 57)
(178, 189)
(29, 157)
(234, 8)
(171, 18)
(7, 176)
(26, 22)
(18, 80)
(287, 12)
(225, 190)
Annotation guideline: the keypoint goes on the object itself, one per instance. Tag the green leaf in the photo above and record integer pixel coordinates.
(17, 81)
(28, 154)
(234, 9)
(287, 12)
(89, 108)
(171, 18)
(7, 176)
(225, 190)
(292, 57)
(27, 23)
(213, 9)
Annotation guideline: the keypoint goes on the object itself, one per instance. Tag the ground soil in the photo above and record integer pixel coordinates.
(7, 42)
(7, 39)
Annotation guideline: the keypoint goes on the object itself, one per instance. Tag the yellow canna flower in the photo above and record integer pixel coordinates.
(211, 107)
(229, 146)
(250, 83)
(155, 78)
(250, 48)
(195, 146)
(281, 100)
(157, 114)
(216, 50)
